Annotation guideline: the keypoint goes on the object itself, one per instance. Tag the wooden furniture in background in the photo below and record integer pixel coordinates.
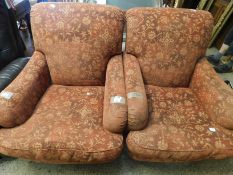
(222, 11)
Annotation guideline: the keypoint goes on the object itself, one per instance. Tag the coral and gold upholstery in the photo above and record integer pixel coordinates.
(190, 109)
(167, 42)
(56, 108)
(78, 40)
(136, 95)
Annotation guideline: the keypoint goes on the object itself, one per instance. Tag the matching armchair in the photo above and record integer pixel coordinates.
(190, 109)
(62, 106)
(76, 96)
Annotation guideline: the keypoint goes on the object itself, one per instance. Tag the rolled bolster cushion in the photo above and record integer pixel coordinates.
(115, 104)
(137, 110)
(136, 95)
(18, 100)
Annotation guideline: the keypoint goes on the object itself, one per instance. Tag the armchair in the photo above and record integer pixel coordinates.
(57, 109)
(190, 109)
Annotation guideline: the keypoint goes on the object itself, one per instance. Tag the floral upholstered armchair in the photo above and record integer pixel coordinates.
(178, 108)
(68, 104)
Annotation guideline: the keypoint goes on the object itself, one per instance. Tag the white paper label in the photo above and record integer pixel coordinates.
(7, 95)
(212, 129)
(117, 99)
(52, 6)
(134, 95)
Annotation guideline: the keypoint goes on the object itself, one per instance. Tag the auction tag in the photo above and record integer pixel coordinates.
(117, 99)
(7, 95)
(212, 129)
(134, 95)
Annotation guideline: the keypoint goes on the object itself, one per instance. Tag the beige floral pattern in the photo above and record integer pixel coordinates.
(72, 35)
(178, 129)
(115, 114)
(27, 90)
(66, 127)
(167, 42)
(215, 95)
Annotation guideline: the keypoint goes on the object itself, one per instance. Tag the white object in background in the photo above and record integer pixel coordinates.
(72, 1)
(16, 2)
(101, 1)
(158, 3)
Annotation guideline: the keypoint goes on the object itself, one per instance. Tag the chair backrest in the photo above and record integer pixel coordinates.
(167, 42)
(77, 39)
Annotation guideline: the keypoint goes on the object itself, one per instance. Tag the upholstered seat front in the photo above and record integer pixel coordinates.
(66, 126)
(178, 130)
(68, 105)
(178, 108)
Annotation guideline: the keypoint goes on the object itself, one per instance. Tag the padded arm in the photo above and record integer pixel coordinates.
(215, 96)
(136, 95)
(18, 100)
(115, 107)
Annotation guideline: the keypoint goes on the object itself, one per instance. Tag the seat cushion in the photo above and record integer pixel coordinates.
(66, 127)
(178, 130)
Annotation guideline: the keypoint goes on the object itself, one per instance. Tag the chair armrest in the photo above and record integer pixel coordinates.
(136, 95)
(215, 96)
(115, 106)
(18, 100)
(8, 73)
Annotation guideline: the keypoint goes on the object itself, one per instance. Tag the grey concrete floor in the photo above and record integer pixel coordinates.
(224, 76)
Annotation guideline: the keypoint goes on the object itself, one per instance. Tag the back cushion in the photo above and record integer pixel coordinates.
(167, 42)
(77, 40)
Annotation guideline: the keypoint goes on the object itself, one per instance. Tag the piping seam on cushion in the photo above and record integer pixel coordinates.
(62, 149)
(176, 151)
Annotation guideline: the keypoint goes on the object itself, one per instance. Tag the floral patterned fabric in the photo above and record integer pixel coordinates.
(136, 95)
(66, 127)
(115, 113)
(215, 95)
(179, 129)
(27, 89)
(167, 42)
(80, 36)
(187, 121)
